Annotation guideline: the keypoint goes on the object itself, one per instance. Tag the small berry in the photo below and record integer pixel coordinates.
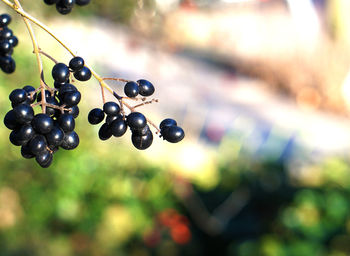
(118, 127)
(167, 122)
(77, 63)
(142, 142)
(25, 152)
(173, 134)
(42, 123)
(105, 132)
(44, 159)
(6, 33)
(131, 89)
(29, 89)
(66, 122)
(5, 20)
(96, 116)
(10, 120)
(37, 144)
(72, 98)
(136, 120)
(83, 74)
(146, 88)
(111, 108)
(70, 141)
(24, 113)
(7, 64)
(55, 136)
(13, 40)
(65, 6)
(60, 73)
(18, 96)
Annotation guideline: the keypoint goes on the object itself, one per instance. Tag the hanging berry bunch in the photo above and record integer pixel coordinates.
(66, 6)
(7, 42)
(41, 135)
(42, 120)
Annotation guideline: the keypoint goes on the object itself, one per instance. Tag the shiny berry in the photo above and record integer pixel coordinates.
(66, 122)
(136, 120)
(118, 127)
(70, 141)
(173, 134)
(37, 144)
(105, 132)
(96, 116)
(146, 88)
(71, 98)
(55, 136)
(7, 64)
(60, 72)
(131, 89)
(42, 123)
(83, 74)
(77, 63)
(5, 20)
(167, 122)
(111, 108)
(44, 159)
(10, 120)
(24, 113)
(142, 142)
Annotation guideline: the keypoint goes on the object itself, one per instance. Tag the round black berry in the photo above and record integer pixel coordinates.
(173, 134)
(26, 132)
(13, 40)
(70, 141)
(42, 123)
(76, 64)
(111, 108)
(96, 116)
(131, 89)
(5, 20)
(83, 74)
(118, 127)
(60, 72)
(65, 6)
(55, 137)
(146, 88)
(71, 98)
(167, 122)
(30, 96)
(6, 33)
(105, 132)
(44, 159)
(18, 96)
(24, 113)
(142, 142)
(10, 120)
(7, 64)
(25, 152)
(37, 144)
(66, 122)
(5, 46)
(74, 111)
(15, 138)
(136, 120)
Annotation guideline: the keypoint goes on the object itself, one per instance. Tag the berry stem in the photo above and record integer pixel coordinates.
(48, 56)
(116, 79)
(37, 54)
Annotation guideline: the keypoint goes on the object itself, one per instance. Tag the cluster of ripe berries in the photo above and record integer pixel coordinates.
(41, 135)
(66, 6)
(7, 42)
(116, 123)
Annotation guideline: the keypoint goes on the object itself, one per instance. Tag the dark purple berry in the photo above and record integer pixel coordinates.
(13, 40)
(37, 144)
(146, 88)
(76, 64)
(7, 64)
(96, 116)
(5, 46)
(173, 134)
(111, 108)
(26, 153)
(24, 113)
(118, 127)
(60, 72)
(74, 111)
(65, 6)
(105, 132)
(66, 122)
(5, 20)
(71, 98)
(18, 96)
(10, 120)
(70, 141)
(29, 90)
(42, 123)
(83, 74)
(136, 120)
(44, 159)
(55, 137)
(142, 142)
(131, 89)
(26, 133)
(6, 33)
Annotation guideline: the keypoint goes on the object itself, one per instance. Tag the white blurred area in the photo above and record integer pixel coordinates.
(214, 104)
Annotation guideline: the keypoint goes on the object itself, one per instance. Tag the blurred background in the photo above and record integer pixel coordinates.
(262, 90)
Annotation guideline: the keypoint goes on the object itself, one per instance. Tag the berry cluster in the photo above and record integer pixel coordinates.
(66, 6)
(116, 122)
(40, 135)
(7, 42)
